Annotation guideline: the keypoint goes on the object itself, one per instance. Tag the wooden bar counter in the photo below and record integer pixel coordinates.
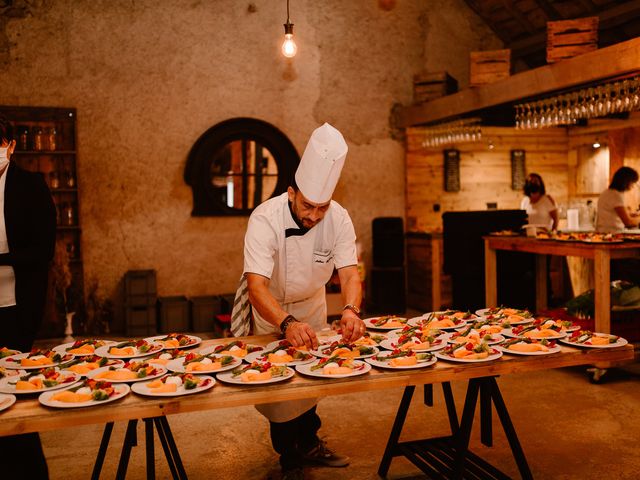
(601, 253)
(27, 415)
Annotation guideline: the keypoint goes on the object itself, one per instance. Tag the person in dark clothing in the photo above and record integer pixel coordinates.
(27, 244)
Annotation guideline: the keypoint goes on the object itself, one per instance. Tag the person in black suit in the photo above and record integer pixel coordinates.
(27, 245)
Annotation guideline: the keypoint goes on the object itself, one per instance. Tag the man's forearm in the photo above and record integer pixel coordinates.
(263, 301)
(350, 286)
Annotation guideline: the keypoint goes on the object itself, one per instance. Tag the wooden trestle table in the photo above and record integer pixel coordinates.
(446, 457)
(601, 253)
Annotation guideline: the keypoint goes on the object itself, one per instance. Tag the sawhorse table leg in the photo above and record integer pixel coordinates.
(449, 457)
(130, 440)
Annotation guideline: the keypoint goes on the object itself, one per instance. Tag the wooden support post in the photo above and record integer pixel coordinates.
(436, 269)
(541, 283)
(602, 281)
(490, 276)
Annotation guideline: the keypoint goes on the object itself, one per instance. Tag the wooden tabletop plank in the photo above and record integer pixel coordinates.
(29, 416)
(569, 249)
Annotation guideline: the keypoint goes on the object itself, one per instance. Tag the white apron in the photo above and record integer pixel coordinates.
(304, 269)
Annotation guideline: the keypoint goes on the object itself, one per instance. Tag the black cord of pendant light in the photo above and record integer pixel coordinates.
(288, 27)
(289, 46)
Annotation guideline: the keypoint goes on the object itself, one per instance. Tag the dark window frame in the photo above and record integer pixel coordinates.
(197, 173)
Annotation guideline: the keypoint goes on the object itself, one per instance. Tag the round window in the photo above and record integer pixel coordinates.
(238, 164)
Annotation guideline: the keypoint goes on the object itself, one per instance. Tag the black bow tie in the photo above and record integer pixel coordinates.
(295, 232)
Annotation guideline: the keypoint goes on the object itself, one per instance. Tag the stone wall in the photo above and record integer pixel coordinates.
(148, 77)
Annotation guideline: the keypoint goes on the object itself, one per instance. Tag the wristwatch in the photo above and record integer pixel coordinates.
(353, 308)
(288, 320)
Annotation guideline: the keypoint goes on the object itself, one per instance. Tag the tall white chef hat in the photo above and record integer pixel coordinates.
(321, 164)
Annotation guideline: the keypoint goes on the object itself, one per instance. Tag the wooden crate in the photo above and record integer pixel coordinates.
(489, 66)
(430, 85)
(569, 38)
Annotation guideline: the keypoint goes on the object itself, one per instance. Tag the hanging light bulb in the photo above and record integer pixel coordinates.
(596, 144)
(289, 47)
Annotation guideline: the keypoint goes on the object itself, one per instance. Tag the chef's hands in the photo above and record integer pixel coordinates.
(301, 334)
(351, 325)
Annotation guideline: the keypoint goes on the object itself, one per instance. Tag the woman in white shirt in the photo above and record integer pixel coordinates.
(539, 206)
(613, 215)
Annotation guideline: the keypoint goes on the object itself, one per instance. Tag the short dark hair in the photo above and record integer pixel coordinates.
(6, 130)
(534, 183)
(623, 179)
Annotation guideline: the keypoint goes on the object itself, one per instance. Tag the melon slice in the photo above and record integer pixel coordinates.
(29, 362)
(255, 377)
(203, 367)
(34, 385)
(71, 397)
(336, 370)
(403, 361)
(164, 388)
(241, 352)
(117, 375)
(83, 368)
(123, 352)
(528, 347)
(345, 353)
(83, 350)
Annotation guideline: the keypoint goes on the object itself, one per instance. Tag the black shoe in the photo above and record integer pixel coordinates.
(293, 474)
(321, 455)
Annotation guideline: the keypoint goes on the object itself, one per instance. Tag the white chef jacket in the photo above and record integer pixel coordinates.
(298, 268)
(7, 275)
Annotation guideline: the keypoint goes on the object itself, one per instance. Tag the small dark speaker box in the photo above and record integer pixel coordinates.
(388, 290)
(388, 242)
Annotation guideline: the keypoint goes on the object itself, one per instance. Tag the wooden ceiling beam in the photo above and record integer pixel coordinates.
(589, 6)
(486, 18)
(610, 18)
(519, 16)
(619, 59)
(549, 10)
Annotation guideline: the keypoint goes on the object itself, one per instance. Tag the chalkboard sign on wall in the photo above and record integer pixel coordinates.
(452, 170)
(518, 173)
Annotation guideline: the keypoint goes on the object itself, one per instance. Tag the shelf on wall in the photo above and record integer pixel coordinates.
(44, 152)
(605, 63)
(63, 190)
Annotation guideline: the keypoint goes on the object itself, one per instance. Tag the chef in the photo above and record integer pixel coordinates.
(292, 244)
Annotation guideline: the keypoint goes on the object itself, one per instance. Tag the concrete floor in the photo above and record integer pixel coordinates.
(569, 429)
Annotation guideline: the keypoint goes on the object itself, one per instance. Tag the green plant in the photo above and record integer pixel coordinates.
(622, 293)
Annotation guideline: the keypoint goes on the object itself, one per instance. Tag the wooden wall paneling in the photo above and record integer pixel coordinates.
(592, 170)
(572, 167)
(632, 159)
(484, 174)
